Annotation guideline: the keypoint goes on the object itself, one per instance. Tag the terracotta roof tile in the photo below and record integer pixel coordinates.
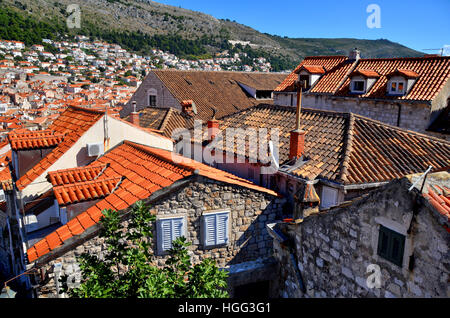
(72, 123)
(144, 169)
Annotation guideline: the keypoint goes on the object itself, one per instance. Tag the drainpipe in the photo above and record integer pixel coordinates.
(399, 114)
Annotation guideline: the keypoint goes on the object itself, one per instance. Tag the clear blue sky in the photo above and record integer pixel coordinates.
(417, 24)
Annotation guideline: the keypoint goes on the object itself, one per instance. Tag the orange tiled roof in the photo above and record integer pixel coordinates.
(439, 197)
(85, 191)
(73, 122)
(431, 72)
(144, 170)
(215, 90)
(342, 147)
(34, 139)
(327, 62)
(366, 73)
(81, 174)
(313, 69)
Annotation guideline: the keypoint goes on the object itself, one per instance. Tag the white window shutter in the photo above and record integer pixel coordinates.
(209, 230)
(177, 228)
(222, 228)
(215, 229)
(168, 231)
(164, 235)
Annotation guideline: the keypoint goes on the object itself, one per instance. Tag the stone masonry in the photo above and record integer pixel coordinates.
(333, 250)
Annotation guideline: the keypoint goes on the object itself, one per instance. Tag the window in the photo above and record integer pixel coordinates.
(152, 100)
(329, 197)
(215, 228)
(305, 78)
(168, 230)
(391, 245)
(358, 86)
(397, 87)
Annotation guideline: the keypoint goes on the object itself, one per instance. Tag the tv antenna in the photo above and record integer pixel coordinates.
(441, 50)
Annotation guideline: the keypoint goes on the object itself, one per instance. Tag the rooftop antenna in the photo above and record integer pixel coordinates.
(441, 50)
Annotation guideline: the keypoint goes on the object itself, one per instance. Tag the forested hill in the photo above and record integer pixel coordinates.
(140, 25)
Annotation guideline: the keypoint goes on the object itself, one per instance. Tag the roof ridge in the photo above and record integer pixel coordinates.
(348, 146)
(95, 181)
(166, 119)
(403, 130)
(147, 150)
(90, 110)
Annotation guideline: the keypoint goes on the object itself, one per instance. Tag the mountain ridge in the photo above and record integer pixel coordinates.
(150, 18)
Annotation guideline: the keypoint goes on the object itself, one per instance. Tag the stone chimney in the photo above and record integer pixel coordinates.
(134, 116)
(297, 140)
(354, 54)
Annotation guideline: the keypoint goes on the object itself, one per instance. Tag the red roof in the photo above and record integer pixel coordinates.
(313, 69)
(431, 72)
(327, 62)
(366, 73)
(73, 122)
(34, 139)
(82, 174)
(144, 170)
(439, 197)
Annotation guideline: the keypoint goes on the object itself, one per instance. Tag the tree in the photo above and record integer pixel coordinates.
(125, 271)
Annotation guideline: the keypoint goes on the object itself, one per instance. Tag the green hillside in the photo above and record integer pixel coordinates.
(140, 25)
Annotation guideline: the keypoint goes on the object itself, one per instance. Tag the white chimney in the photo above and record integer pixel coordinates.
(354, 54)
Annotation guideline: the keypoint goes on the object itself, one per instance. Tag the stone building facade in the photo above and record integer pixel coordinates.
(247, 256)
(336, 253)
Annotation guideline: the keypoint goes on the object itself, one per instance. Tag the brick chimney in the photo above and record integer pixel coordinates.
(297, 140)
(213, 128)
(134, 116)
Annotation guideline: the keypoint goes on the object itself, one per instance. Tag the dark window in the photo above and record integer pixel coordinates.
(358, 86)
(305, 78)
(152, 100)
(391, 245)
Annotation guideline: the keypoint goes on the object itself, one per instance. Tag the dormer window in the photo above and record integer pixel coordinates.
(401, 81)
(362, 81)
(397, 87)
(358, 86)
(310, 74)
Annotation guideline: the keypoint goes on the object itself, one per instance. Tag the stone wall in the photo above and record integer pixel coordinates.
(249, 241)
(413, 116)
(334, 249)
